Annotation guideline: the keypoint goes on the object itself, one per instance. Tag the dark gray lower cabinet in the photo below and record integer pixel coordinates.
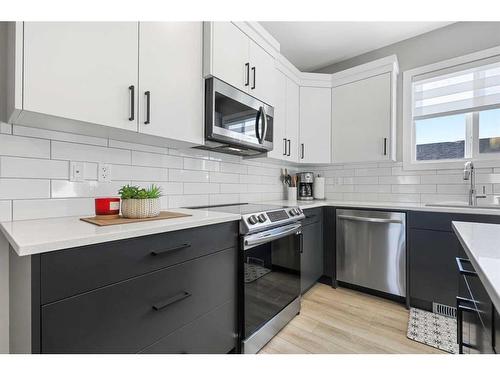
(475, 313)
(312, 256)
(177, 300)
(433, 247)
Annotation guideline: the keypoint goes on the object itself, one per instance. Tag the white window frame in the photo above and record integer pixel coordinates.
(472, 126)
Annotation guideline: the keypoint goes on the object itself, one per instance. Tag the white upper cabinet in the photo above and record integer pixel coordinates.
(286, 119)
(361, 117)
(84, 71)
(363, 112)
(292, 119)
(233, 57)
(279, 150)
(170, 96)
(230, 55)
(262, 74)
(315, 125)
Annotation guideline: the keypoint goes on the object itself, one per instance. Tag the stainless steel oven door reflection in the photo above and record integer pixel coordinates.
(271, 274)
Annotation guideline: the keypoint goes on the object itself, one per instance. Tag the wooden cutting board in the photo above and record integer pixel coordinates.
(122, 220)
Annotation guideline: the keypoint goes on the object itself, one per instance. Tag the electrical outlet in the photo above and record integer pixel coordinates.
(76, 171)
(104, 173)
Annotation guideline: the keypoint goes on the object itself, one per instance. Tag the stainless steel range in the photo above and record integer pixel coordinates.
(269, 270)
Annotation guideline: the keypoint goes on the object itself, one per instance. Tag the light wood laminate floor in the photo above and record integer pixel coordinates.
(341, 321)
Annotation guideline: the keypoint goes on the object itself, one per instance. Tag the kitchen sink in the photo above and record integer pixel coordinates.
(464, 205)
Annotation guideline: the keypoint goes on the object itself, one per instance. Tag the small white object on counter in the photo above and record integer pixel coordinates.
(319, 187)
(481, 243)
(29, 237)
(291, 193)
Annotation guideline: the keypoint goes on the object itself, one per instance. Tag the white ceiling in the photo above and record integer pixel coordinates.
(313, 45)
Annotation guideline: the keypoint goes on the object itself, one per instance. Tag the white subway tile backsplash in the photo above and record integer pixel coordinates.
(233, 168)
(58, 136)
(5, 210)
(33, 168)
(464, 189)
(488, 178)
(201, 164)
(223, 198)
(5, 128)
(233, 188)
(76, 151)
(372, 188)
(11, 188)
(201, 188)
(443, 179)
(149, 159)
(167, 188)
(441, 198)
(220, 177)
(395, 180)
(181, 175)
(373, 172)
(46, 208)
(12, 145)
(85, 189)
(131, 172)
(137, 147)
(175, 201)
(365, 180)
(409, 189)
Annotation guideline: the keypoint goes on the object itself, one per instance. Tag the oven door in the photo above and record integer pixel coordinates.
(236, 118)
(271, 274)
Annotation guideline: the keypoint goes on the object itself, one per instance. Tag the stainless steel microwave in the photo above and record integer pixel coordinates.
(235, 122)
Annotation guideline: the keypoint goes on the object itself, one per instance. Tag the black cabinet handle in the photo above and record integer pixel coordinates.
(148, 107)
(131, 90)
(461, 268)
(254, 70)
(302, 151)
(301, 242)
(177, 298)
(247, 81)
(164, 251)
(463, 305)
(284, 146)
(385, 146)
(310, 216)
(289, 147)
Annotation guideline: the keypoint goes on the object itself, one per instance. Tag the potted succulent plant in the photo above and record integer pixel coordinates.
(139, 203)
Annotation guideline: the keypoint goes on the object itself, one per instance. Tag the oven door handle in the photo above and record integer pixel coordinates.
(270, 235)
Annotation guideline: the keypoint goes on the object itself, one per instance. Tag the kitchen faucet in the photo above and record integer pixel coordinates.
(470, 174)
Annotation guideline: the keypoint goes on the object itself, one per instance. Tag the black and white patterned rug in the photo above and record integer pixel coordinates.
(434, 330)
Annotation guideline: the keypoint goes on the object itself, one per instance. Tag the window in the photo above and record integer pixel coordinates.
(452, 111)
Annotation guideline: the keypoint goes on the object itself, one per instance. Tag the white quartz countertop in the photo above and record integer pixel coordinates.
(386, 206)
(481, 243)
(29, 237)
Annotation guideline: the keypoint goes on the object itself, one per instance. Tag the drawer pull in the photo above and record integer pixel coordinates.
(180, 247)
(310, 216)
(463, 304)
(461, 268)
(177, 298)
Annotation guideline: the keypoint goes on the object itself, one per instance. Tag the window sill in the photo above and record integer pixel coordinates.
(450, 164)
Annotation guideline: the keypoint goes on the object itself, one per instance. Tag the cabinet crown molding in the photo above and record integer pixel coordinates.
(372, 68)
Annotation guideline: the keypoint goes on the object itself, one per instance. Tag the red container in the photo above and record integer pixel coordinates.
(107, 206)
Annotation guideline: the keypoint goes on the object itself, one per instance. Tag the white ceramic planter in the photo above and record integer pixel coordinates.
(140, 208)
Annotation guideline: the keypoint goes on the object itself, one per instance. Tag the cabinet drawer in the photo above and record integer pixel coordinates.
(69, 272)
(128, 316)
(313, 215)
(442, 221)
(213, 333)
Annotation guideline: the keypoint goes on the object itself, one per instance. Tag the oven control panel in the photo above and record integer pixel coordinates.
(262, 220)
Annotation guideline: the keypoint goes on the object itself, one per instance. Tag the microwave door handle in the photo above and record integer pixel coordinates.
(264, 122)
(257, 126)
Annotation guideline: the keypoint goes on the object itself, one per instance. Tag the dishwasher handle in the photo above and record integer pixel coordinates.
(370, 219)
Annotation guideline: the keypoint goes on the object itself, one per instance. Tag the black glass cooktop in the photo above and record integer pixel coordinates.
(241, 208)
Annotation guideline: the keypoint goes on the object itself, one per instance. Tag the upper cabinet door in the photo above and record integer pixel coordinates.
(361, 120)
(280, 146)
(171, 83)
(315, 125)
(292, 119)
(262, 74)
(230, 55)
(85, 71)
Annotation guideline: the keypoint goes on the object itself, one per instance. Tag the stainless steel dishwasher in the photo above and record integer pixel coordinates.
(371, 250)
